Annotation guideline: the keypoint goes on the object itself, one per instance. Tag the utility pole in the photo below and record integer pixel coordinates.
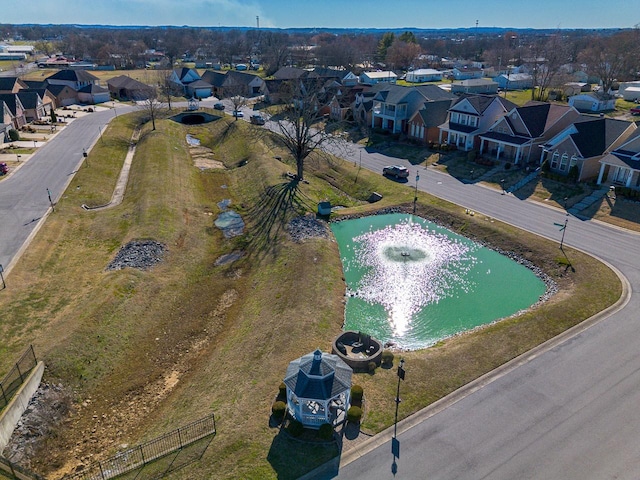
(415, 199)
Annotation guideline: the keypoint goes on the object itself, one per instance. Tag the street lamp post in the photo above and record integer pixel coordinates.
(395, 444)
(415, 195)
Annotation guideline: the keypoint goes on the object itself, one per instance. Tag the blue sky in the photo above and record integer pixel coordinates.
(329, 13)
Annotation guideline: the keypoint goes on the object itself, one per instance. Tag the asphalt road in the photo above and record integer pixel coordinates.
(24, 196)
(566, 412)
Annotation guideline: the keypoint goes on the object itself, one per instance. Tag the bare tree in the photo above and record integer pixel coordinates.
(298, 123)
(167, 88)
(613, 58)
(150, 104)
(546, 58)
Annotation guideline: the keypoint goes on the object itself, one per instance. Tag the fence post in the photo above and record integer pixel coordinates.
(4, 395)
(180, 439)
(101, 472)
(19, 372)
(144, 462)
(33, 352)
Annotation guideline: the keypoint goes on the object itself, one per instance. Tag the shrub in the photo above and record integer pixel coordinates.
(371, 366)
(573, 173)
(387, 357)
(282, 391)
(357, 393)
(295, 428)
(54, 119)
(278, 409)
(471, 156)
(354, 414)
(507, 166)
(325, 432)
(14, 135)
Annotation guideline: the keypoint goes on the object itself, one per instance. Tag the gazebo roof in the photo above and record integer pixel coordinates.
(318, 376)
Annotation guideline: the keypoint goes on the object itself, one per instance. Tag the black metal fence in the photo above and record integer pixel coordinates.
(16, 376)
(137, 457)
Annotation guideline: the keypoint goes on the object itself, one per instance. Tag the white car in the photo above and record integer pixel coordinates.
(238, 113)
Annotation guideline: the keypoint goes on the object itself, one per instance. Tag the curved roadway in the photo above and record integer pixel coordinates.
(566, 412)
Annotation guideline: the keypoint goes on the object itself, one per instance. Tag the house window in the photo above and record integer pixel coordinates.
(455, 117)
(554, 160)
(563, 162)
(574, 160)
(473, 121)
(422, 131)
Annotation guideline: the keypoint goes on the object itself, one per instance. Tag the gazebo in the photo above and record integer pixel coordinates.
(318, 389)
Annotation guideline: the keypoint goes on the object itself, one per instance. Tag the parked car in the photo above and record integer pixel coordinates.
(241, 66)
(635, 111)
(219, 106)
(238, 113)
(397, 171)
(3, 169)
(257, 119)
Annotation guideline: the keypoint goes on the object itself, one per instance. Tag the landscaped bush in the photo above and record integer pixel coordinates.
(295, 428)
(325, 432)
(573, 173)
(371, 366)
(282, 391)
(14, 135)
(507, 166)
(354, 414)
(356, 393)
(387, 357)
(471, 156)
(278, 409)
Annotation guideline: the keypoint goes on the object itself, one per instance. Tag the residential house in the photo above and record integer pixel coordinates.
(474, 86)
(373, 78)
(518, 135)
(514, 81)
(584, 143)
(234, 83)
(93, 94)
(13, 111)
(11, 85)
(289, 73)
(423, 75)
(124, 87)
(592, 102)
(622, 165)
(64, 95)
(345, 78)
(466, 73)
(394, 105)
(341, 106)
(75, 79)
(33, 106)
(362, 106)
(246, 84)
(423, 125)
(48, 100)
(199, 89)
(470, 116)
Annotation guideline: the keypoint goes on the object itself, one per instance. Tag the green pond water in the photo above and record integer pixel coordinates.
(412, 282)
